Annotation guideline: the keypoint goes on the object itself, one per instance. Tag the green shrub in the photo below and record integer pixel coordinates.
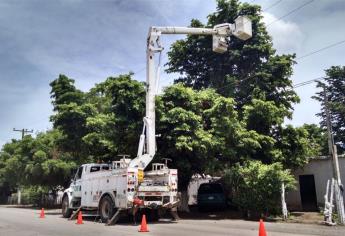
(256, 187)
(34, 195)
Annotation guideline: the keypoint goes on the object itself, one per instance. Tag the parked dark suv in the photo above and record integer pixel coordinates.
(211, 196)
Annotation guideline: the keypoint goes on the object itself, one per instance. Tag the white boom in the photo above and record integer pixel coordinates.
(242, 29)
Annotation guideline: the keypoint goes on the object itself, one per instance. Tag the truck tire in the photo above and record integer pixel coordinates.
(66, 211)
(106, 208)
(154, 215)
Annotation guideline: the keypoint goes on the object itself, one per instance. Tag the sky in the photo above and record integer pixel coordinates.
(90, 40)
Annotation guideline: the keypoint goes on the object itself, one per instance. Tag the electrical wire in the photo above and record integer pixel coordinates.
(290, 12)
(308, 82)
(321, 49)
(250, 77)
(140, 70)
(272, 5)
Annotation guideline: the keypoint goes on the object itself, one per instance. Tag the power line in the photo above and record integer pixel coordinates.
(307, 82)
(303, 84)
(321, 49)
(290, 12)
(272, 5)
(140, 70)
(293, 86)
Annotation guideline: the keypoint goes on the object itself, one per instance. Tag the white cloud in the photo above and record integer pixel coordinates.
(287, 36)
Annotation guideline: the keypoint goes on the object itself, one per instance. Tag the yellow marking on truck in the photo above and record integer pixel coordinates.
(140, 176)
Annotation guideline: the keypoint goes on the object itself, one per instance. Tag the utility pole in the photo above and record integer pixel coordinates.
(336, 172)
(23, 131)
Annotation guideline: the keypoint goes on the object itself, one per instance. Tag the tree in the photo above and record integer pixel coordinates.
(295, 147)
(317, 138)
(13, 159)
(190, 123)
(48, 166)
(201, 133)
(99, 124)
(264, 118)
(116, 127)
(184, 138)
(291, 146)
(35, 162)
(64, 92)
(70, 116)
(247, 65)
(256, 187)
(334, 85)
(128, 108)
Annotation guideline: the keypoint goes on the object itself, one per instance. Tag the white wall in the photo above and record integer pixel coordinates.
(322, 170)
(194, 185)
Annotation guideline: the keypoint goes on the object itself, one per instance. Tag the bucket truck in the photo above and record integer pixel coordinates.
(123, 186)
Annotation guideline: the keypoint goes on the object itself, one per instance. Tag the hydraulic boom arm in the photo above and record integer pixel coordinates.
(242, 29)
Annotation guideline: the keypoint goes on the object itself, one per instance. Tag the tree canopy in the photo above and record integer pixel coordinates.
(35, 161)
(333, 87)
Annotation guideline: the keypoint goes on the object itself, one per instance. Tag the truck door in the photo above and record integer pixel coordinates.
(77, 182)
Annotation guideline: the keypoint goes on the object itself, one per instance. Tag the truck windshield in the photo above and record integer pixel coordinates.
(79, 173)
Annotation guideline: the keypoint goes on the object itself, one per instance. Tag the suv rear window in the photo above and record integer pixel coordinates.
(210, 188)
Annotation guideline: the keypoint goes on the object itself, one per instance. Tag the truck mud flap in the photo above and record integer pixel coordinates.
(115, 218)
(173, 209)
(171, 204)
(174, 214)
(74, 215)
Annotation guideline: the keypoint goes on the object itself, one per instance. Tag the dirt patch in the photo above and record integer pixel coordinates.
(305, 217)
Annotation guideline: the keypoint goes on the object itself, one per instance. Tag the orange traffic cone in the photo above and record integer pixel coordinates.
(143, 226)
(42, 213)
(80, 218)
(262, 231)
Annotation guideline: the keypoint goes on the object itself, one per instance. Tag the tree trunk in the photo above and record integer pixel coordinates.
(183, 206)
(19, 196)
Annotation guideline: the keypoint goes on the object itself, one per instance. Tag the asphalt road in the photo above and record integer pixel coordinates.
(26, 222)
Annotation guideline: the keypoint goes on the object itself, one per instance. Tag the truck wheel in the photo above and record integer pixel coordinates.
(106, 208)
(66, 211)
